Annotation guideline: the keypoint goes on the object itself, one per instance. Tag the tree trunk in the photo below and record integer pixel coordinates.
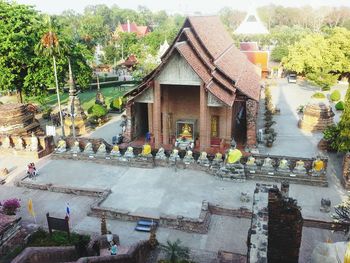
(19, 96)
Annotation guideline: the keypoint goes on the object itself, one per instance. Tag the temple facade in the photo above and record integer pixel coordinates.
(205, 92)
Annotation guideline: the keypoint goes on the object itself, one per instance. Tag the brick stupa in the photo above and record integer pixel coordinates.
(316, 117)
(16, 119)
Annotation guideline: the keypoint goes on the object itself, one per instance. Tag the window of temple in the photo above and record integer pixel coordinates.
(214, 126)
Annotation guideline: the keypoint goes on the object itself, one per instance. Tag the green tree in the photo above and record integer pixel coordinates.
(175, 253)
(343, 140)
(19, 32)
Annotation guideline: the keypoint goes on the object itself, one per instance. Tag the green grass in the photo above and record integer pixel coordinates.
(87, 98)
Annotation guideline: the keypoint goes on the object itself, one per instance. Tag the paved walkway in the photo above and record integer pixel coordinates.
(110, 129)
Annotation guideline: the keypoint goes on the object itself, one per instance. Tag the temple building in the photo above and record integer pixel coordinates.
(205, 91)
(252, 26)
(128, 27)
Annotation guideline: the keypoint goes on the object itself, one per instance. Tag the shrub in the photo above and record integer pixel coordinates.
(340, 105)
(330, 134)
(10, 206)
(97, 111)
(117, 103)
(335, 95)
(318, 95)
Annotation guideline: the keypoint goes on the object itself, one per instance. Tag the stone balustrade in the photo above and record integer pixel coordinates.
(295, 169)
(28, 146)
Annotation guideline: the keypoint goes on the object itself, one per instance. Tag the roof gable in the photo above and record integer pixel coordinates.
(210, 51)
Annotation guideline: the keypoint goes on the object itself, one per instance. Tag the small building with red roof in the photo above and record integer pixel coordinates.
(132, 27)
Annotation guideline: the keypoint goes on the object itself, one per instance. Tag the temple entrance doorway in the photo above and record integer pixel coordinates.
(141, 119)
(239, 123)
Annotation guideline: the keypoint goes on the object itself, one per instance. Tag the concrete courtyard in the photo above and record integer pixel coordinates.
(151, 192)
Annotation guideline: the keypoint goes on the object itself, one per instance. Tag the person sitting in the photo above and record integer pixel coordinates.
(31, 170)
(114, 249)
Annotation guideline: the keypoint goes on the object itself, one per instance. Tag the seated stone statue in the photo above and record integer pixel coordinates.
(174, 155)
(146, 151)
(161, 154)
(233, 156)
(115, 151)
(267, 165)
(101, 151)
(6, 143)
(217, 161)
(203, 159)
(75, 149)
(251, 164)
(88, 150)
(61, 146)
(251, 161)
(283, 165)
(34, 143)
(188, 157)
(300, 167)
(129, 152)
(19, 144)
(318, 167)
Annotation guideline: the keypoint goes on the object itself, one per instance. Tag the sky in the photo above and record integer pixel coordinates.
(172, 6)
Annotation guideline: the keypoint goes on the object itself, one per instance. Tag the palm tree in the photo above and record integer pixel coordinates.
(175, 253)
(49, 46)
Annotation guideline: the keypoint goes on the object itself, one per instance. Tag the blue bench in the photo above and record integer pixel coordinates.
(145, 225)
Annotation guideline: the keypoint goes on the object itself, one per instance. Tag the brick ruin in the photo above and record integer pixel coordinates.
(18, 120)
(276, 227)
(346, 170)
(316, 117)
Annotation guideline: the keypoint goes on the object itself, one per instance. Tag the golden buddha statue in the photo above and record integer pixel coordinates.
(347, 254)
(218, 157)
(115, 148)
(186, 131)
(318, 165)
(233, 156)
(146, 150)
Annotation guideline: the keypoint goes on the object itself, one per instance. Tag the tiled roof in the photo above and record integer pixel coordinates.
(186, 51)
(221, 94)
(210, 51)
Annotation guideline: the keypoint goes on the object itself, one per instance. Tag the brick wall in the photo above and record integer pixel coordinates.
(346, 170)
(284, 229)
(251, 115)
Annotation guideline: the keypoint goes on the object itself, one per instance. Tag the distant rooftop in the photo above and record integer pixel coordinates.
(251, 25)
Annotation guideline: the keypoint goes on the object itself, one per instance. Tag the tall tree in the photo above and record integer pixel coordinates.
(343, 140)
(19, 32)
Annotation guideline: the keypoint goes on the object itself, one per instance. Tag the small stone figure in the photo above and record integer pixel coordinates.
(19, 144)
(217, 161)
(251, 164)
(88, 149)
(188, 157)
(318, 167)
(267, 165)
(101, 151)
(34, 144)
(325, 205)
(129, 152)
(244, 197)
(61, 146)
(174, 155)
(299, 167)
(75, 149)
(203, 159)
(161, 154)
(146, 150)
(6, 144)
(283, 166)
(115, 151)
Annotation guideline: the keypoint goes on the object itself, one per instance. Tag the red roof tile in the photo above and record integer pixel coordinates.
(211, 53)
(193, 60)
